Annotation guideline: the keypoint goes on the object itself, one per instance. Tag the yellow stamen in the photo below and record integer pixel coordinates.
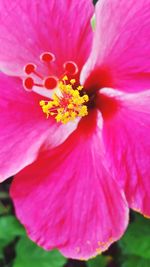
(65, 78)
(69, 105)
(73, 81)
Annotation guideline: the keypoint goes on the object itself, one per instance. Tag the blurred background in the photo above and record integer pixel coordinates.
(16, 250)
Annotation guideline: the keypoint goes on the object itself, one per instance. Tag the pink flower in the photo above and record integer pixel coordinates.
(78, 178)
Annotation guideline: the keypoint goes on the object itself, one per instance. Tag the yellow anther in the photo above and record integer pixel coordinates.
(75, 93)
(86, 98)
(79, 88)
(73, 114)
(71, 106)
(42, 103)
(72, 81)
(58, 117)
(68, 105)
(49, 105)
(66, 114)
(65, 78)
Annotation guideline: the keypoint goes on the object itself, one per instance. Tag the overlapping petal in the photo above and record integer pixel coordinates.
(29, 28)
(127, 141)
(67, 199)
(120, 54)
(23, 127)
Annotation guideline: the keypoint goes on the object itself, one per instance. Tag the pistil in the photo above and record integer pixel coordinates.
(70, 101)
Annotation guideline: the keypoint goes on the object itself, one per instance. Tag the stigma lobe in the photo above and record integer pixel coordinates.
(35, 78)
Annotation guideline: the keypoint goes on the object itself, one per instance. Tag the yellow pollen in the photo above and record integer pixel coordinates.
(73, 81)
(69, 105)
(65, 78)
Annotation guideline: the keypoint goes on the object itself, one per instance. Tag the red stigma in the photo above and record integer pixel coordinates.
(70, 67)
(37, 79)
(28, 83)
(47, 57)
(30, 68)
(50, 83)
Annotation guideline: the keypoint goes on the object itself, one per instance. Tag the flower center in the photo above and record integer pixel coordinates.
(69, 102)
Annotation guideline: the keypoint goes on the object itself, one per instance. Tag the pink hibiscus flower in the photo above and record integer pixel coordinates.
(86, 163)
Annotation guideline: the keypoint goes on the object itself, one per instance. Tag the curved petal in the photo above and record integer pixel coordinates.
(23, 127)
(81, 210)
(29, 28)
(127, 142)
(121, 48)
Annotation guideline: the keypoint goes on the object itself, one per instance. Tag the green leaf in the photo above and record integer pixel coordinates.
(4, 210)
(99, 261)
(135, 261)
(136, 241)
(10, 228)
(1, 250)
(29, 254)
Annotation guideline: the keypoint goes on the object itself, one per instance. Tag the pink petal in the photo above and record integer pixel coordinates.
(127, 141)
(23, 127)
(121, 48)
(67, 199)
(29, 28)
